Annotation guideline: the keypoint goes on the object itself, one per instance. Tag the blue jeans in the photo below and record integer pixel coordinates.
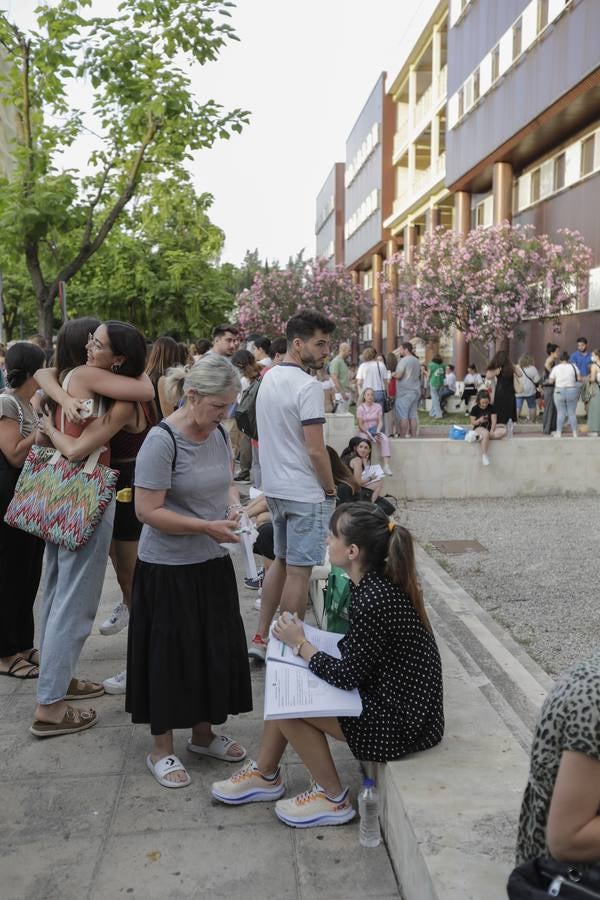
(72, 589)
(436, 410)
(300, 530)
(565, 400)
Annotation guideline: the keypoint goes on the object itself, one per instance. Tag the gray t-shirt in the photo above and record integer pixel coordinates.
(198, 487)
(410, 367)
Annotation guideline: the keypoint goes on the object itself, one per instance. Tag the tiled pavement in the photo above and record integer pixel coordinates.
(83, 818)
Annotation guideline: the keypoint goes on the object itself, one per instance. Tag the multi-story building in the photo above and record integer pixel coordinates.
(329, 224)
(421, 199)
(523, 137)
(368, 200)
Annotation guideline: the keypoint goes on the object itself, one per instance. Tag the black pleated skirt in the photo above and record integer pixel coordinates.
(187, 658)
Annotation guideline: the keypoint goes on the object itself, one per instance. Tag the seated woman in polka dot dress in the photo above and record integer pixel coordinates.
(389, 654)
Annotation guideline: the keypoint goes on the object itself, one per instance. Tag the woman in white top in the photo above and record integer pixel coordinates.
(566, 377)
(372, 374)
(530, 379)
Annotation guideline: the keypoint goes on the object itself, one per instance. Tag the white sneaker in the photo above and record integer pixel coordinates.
(485, 459)
(556, 434)
(257, 603)
(387, 470)
(117, 621)
(575, 434)
(117, 684)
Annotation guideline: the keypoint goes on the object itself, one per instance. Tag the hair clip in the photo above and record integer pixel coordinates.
(391, 525)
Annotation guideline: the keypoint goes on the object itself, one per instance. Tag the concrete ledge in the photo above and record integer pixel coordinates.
(450, 815)
(524, 466)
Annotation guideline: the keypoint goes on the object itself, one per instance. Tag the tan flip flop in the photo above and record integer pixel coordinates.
(68, 725)
(79, 689)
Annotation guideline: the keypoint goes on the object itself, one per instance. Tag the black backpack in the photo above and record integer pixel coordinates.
(245, 413)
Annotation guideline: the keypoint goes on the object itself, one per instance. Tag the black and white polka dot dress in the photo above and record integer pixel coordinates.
(394, 662)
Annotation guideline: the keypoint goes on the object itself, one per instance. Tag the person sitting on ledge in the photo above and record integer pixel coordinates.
(484, 424)
(389, 654)
(370, 425)
(559, 812)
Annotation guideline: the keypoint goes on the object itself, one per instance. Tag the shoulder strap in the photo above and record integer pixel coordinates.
(166, 428)
(223, 434)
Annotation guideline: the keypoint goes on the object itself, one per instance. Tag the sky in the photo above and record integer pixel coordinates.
(304, 70)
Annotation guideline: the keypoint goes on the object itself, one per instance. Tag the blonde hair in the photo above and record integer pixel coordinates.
(369, 354)
(209, 376)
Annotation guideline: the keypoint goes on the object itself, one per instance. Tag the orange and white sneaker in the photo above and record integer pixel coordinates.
(314, 808)
(249, 785)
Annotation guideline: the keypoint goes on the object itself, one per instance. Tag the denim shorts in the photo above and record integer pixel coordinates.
(406, 404)
(300, 530)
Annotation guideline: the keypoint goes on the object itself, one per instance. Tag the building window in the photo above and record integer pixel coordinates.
(587, 155)
(495, 63)
(461, 103)
(476, 86)
(517, 38)
(559, 172)
(534, 195)
(542, 15)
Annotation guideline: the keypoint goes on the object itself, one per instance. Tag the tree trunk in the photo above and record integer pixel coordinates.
(45, 314)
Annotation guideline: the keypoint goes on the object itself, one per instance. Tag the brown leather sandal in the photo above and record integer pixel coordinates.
(79, 689)
(68, 725)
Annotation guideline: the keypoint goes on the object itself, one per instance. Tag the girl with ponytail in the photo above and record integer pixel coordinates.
(389, 654)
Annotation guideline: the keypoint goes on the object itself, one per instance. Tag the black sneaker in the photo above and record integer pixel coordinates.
(242, 478)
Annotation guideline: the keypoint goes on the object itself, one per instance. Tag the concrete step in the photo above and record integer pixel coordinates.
(450, 815)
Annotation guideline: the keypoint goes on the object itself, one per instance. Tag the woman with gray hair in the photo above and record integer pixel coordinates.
(187, 657)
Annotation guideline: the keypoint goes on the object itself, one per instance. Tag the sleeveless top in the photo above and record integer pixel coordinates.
(125, 445)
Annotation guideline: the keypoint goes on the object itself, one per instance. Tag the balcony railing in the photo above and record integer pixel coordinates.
(422, 181)
(423, 106)
(400, 138)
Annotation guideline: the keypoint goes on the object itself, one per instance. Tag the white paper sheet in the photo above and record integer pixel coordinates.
(295, 693)
(322, 640)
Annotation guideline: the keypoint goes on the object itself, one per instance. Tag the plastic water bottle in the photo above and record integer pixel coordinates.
(369, 834)
(509, 428)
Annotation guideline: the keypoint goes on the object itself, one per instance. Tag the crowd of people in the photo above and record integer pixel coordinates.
(177, 426)
(183, 428)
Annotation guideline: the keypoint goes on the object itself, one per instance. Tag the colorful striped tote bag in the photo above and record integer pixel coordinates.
(59, 500)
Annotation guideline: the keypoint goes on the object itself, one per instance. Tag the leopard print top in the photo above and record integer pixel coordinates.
(569, 720)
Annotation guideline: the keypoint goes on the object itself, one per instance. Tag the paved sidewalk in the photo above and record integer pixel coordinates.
(83, 818)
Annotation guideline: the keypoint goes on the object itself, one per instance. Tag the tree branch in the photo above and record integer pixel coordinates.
(93, 204)
(121, 202)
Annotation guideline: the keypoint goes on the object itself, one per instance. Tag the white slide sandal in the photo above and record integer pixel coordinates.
(164, 767)
(217, 749)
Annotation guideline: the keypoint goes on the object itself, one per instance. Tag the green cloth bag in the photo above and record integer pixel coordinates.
(337, 600)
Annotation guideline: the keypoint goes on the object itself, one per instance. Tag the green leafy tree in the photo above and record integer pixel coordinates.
(158, 268)
(144, 113)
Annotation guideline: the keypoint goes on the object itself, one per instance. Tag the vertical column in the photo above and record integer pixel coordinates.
(412, 97)
(503, 192)
(390, 314)
(377, 312)
(410, 240)
(432, 219)
(462, 225)
(356, 338)
(436, 62)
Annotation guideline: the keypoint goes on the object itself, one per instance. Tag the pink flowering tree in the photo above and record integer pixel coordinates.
(277, 295)
(487, 282)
